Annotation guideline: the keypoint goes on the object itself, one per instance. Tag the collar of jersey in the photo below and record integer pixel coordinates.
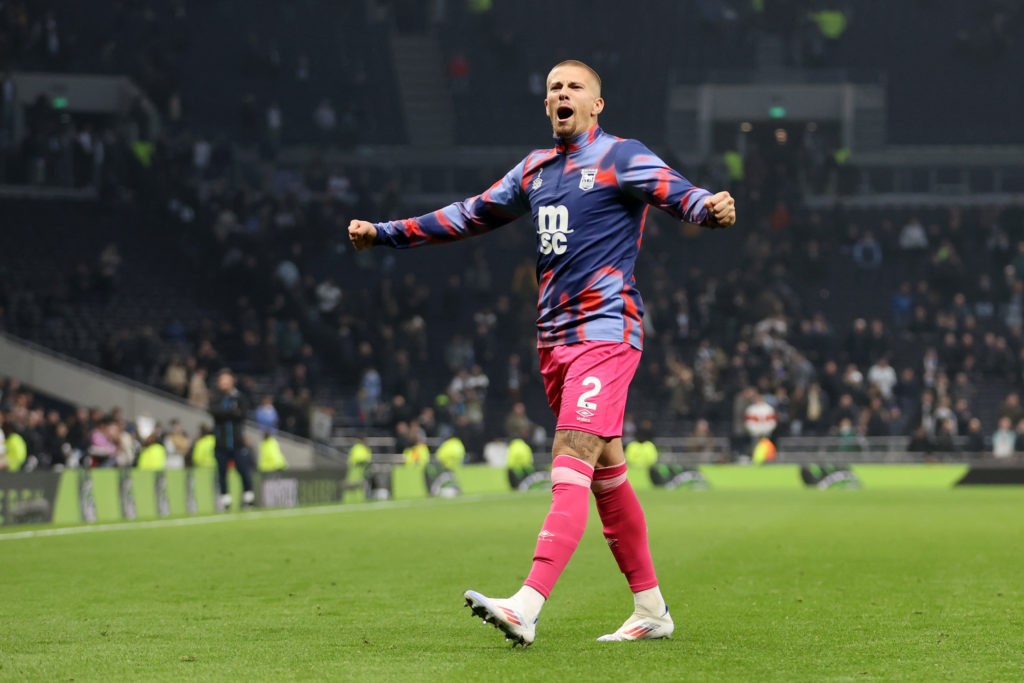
(578, 142)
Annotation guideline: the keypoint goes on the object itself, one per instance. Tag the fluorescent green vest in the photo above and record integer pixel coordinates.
(451, 452)
(641, 454)
(359, 455)
(153, 457)
(202, 452)
(417, 455)
(17, 452)
(519, 454)
(271, 457)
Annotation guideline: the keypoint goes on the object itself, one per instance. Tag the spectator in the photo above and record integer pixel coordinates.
(920, 442)
(229, 408)
(641, 453)
(1004, 440)
(265, 415)
(517, 424)
(944, 437)
(858, 343)
(901, 305)
(976, 446)
(198, 393)
(176, 377)
(882, 376)
(15, 451)
(867, 252)
(913, 236)
(1018, 444)
(701, 441)
(458, 72)
(176, 444)
(847, 438)
(875, 418)
(328, 298)
(104, 443)
(271, 459)
(153, 454)
(1011, 408)
(4, 464)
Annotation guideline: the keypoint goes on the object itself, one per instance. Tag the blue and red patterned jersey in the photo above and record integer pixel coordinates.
(589, 198)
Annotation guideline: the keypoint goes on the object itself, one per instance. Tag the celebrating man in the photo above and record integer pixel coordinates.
(588, 196)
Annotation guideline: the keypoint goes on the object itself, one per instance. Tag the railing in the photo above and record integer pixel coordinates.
(790, 449)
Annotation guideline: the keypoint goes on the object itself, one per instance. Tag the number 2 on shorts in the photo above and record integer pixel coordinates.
(595, 389)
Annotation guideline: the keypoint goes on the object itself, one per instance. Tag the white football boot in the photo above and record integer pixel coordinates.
(506, 615)
(642, 627)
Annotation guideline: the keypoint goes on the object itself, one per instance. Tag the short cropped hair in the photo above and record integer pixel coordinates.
(587, 67)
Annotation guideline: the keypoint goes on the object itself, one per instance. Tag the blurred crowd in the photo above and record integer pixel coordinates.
(872, 323)
(863, 325)
(40, 433)
(875, 323)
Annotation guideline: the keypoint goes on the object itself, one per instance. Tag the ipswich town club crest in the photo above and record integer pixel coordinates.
(587, 178)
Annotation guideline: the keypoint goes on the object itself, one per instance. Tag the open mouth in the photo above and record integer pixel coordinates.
(564, 113)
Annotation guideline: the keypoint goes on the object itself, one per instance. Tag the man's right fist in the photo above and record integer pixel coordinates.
(361, 234)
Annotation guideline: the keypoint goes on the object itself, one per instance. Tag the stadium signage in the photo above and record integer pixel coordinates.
(291, 489)
(27, 497)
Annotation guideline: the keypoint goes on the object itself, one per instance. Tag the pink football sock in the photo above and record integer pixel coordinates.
(564, 525)
(625, 527)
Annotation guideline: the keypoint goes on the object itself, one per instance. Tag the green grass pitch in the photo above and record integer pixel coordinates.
(763, 585)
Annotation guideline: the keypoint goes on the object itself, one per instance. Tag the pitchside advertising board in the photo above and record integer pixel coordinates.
(291, 489)
(111, 495)
(28, 497)
(108, 495)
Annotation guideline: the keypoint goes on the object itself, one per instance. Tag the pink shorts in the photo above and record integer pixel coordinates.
(587, 384)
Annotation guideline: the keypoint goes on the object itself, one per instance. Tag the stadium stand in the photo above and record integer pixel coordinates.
(226, 245)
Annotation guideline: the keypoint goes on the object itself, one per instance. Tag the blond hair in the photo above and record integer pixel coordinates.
(585, 67)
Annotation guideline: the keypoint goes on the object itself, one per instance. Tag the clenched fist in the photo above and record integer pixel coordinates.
(722, 208)
(361, 234)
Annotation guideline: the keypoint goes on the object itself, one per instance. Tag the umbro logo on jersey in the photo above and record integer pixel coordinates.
(587, 178)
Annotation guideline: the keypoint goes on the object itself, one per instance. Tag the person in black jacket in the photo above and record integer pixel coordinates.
(229, 408)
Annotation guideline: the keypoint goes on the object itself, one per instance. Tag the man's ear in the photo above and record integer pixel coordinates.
(598, 105)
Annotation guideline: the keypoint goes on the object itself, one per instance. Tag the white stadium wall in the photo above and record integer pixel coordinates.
(84, 385)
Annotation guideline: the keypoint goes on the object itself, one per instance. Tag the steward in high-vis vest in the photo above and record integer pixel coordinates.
(202, 449)
(153, 457)
(522, 474)
(451, 452)
(17, 451)
(271, 458)
(360, 455)
(641, 454)
(417, 455)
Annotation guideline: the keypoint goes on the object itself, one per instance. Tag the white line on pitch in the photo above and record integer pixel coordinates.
(244, 516)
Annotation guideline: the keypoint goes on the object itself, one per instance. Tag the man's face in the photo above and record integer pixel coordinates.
(573, 100)
(225, 381)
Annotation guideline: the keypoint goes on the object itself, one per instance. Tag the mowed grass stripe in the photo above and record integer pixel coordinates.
(766, 586)
(237, 516)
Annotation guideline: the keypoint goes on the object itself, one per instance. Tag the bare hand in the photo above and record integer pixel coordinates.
(361, 234)
(722, 208)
